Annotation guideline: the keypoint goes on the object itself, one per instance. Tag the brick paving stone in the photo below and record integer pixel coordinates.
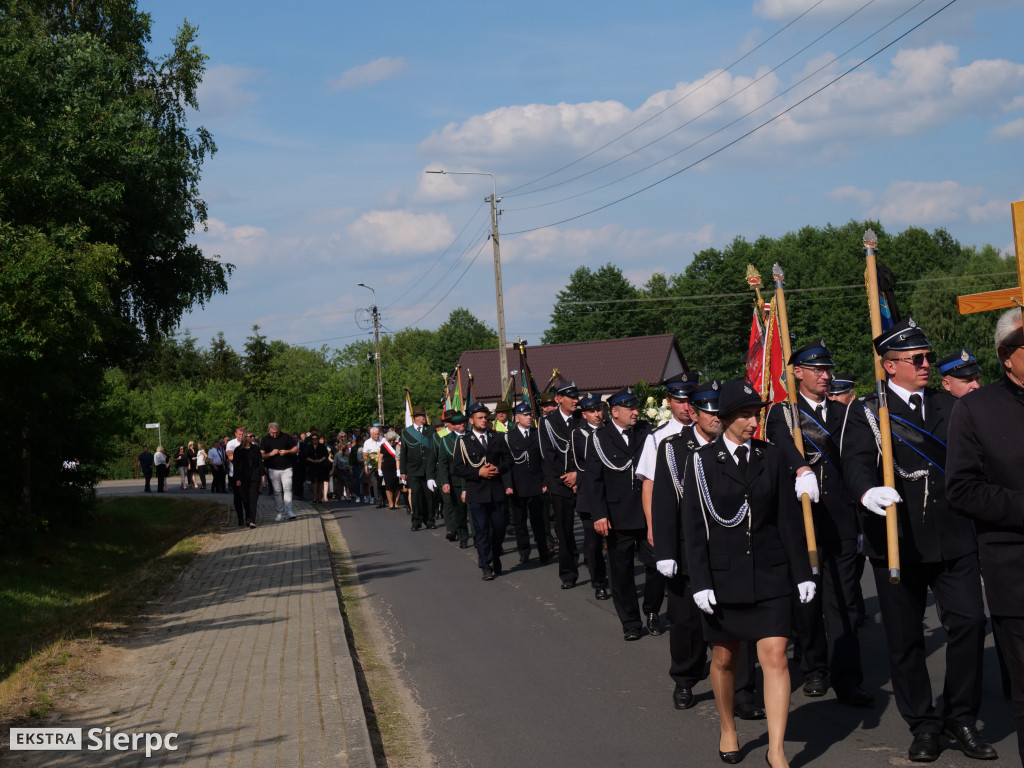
(248, 663)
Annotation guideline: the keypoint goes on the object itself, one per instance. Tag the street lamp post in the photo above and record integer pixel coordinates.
(376, 345)
(498, 300)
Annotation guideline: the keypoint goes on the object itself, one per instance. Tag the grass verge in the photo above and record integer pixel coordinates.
(396, 743)
(59, 599)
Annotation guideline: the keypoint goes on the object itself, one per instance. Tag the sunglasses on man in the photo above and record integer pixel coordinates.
(918, 360)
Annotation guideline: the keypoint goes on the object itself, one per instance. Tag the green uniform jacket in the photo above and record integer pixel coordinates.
(445, 447)
(418, 457)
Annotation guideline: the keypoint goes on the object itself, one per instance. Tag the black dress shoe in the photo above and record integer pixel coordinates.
(682, 697)
(747, 711)
(856, 697)
(601, 593)
(496, 564)
(545, 555)
(730, 757)
(970, 742)
(570, 585)
(924, 748)
(653, 624)
(431, 526)
(631, 634)
(488, 574)
(450, 536)
(463, 544)
(814, 685)
(524, 559)
(415, 527)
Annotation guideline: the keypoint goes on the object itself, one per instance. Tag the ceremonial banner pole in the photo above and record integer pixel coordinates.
(798, 437)
(888, 474)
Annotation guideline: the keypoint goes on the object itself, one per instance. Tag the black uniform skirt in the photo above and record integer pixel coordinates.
(749, 621)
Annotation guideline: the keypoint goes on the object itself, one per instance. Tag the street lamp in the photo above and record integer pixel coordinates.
(376, 344)
(498, 300)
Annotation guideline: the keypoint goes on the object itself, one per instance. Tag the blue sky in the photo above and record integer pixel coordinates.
(326, 117)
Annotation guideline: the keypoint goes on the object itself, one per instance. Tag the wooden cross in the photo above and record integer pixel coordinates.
(1007, 297)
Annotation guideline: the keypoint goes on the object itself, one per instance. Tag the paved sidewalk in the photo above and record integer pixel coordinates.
(248, 662)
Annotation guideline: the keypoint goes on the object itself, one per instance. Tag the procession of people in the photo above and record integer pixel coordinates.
(709, 504)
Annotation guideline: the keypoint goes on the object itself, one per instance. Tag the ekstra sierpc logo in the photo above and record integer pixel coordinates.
(96, 740)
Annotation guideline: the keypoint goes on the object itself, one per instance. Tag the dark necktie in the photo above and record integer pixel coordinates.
(483, 439)
(627, 433)
(916, 402)
(819, 413)
(741, 460)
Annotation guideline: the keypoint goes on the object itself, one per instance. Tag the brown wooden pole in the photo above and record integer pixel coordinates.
(798, 436)
(888, 474)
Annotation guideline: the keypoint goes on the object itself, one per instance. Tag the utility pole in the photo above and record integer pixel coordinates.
(498, 296)
(376, 346)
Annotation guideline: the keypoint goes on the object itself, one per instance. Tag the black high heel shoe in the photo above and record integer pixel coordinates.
(731, 758)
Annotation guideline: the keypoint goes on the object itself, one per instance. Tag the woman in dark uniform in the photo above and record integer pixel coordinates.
(746, 552)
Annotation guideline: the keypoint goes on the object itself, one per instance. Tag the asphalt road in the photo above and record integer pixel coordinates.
(518, 672)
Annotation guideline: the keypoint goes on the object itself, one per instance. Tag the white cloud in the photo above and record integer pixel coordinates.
(611, 243)
(924, 203)
(862, 197)
(376, 71)
(921, 90)
(1009, 131)
(241, 245)
(993, 210)
(223, 94)
(401, 232)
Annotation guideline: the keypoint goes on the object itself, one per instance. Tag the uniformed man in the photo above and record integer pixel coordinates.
(960, 373)
(678, 389)
(481, 458)
(547, 403)
(618, 510)
(524, 484)
(451, 486)
(687, 647)
(417, 468)
(826, 627)
(984, 482)
(591, 409)
(842, 388)
(556, 429)
(938, 549)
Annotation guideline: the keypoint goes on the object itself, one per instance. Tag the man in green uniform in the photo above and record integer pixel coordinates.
(417, 467)
(451, 486)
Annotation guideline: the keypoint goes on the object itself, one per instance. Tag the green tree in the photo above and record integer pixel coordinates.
(596, 305)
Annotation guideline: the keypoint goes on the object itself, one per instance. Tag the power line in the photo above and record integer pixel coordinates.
(694, 119)
(666, 108)
(743, 136)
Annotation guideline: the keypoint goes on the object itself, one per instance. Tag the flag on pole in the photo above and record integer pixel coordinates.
(446, 400)
(457, 394)
(408, 409)
(530, 393)
(471, 396)
(755, 349)
(772, 385)
(888, 310)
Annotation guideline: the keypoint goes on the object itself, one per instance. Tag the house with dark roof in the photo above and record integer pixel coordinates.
(601, 367)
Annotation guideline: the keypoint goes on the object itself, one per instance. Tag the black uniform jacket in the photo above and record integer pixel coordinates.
(929, 531)
(985, 482)
(667, 500)
(617, 493)
(555, 447)
(444, 449)
(582, 446)
(526, 475)
(835, 515)
(469, 451)
(418, 457)
(763, 556)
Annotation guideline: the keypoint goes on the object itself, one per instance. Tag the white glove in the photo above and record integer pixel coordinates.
(667, 568)
(808, 484)
(807, 590)
(432, 484)
(705, 599)
(878, 498)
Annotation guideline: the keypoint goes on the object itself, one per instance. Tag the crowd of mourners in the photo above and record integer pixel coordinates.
(356, 465)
